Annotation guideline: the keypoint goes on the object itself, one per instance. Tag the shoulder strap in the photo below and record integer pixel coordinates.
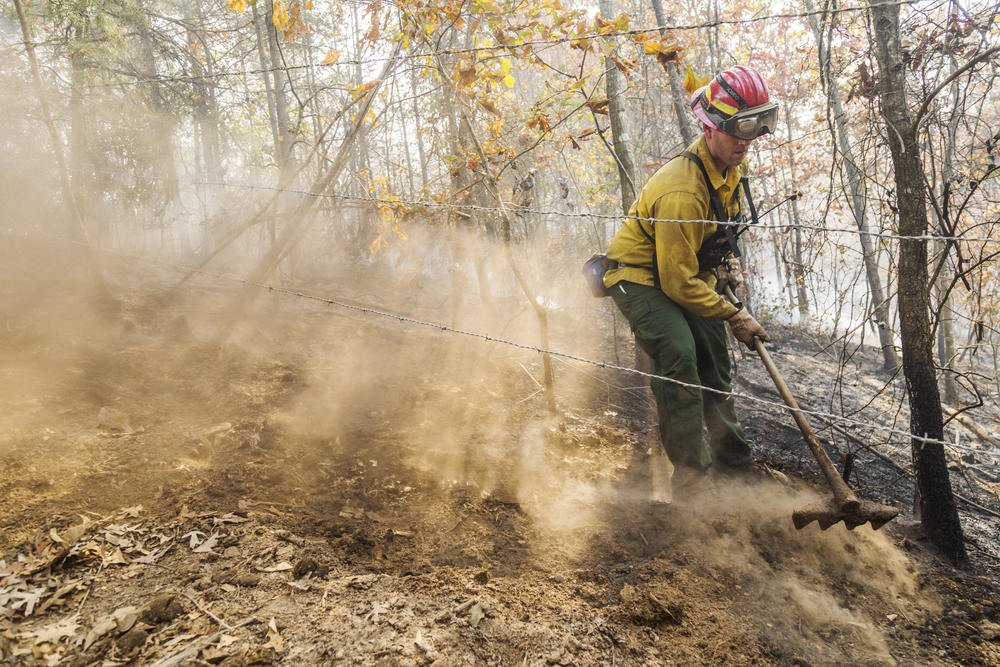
(720, 210)
(745, 183)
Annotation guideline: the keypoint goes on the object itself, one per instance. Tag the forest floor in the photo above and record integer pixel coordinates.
(324, 486)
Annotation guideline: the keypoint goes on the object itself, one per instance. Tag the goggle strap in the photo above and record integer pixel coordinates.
(742, 103)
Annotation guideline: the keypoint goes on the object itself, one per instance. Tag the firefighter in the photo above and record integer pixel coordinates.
(673, 256)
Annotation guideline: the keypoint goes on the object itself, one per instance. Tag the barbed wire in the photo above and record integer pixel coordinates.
(522, 346)
(192, 78)
(430, 204)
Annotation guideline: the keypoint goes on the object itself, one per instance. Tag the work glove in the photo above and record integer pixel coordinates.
(730, 273)
(746, 328)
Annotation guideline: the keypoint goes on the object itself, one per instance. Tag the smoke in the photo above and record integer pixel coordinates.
(442, 409)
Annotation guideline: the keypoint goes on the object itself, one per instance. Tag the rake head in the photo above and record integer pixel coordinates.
(829, 512)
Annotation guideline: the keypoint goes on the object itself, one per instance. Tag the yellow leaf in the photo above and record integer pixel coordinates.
(505, 65)
(280, 15)
(332, 56)
(508, 81)
(693, 82)
(238, 6)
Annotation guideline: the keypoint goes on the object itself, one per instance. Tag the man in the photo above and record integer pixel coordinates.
(669, 297)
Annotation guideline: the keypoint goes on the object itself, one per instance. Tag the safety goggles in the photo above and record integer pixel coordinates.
(751, 123)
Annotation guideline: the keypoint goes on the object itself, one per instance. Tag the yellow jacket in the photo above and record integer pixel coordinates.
(677, 191)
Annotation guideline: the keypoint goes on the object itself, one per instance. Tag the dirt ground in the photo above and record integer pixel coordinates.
(320, 486)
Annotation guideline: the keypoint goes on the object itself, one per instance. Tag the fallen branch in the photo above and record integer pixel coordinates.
(190, 651)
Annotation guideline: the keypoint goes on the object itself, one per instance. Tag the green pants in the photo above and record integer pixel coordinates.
(691, 349)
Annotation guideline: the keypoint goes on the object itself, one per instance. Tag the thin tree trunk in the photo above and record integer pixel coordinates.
(206, 106)
(938, 513)
(283, 147)
(619, 130)
(266, 74)
(622, 151)
(945, 328)
(405, 139)
(419, 124)
(162, 121)
(890, 362)
(797, 264)
(491, 184)
(78, 228)
(678, 98)
(311, 85)
(78, 135)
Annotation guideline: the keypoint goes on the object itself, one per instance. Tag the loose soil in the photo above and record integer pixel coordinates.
(315, 486)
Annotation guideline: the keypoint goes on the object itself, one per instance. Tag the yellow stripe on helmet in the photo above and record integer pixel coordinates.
(727, 109)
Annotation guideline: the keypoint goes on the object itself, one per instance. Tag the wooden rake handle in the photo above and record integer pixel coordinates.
(844, 496)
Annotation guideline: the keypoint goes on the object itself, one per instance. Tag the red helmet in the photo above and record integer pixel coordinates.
(737, 103)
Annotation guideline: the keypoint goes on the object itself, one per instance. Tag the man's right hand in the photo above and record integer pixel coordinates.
(746, 328)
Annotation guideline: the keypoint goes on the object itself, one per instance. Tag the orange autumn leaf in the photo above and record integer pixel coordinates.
(294, 26)
(465, 77)
(361, 90)
(540, 121)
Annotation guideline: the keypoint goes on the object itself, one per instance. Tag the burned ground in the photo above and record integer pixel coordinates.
(314, 486)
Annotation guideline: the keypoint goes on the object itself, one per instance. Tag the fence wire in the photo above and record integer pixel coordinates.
(370, 310)
(514, 209)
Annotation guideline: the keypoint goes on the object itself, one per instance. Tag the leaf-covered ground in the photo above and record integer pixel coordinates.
(320, 486)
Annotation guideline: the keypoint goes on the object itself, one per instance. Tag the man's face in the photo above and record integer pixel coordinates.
(728, 151)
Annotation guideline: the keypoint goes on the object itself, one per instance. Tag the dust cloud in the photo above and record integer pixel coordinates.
(218, 363)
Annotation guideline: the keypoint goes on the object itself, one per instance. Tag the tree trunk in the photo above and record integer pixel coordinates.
(880, 305)
(678, 96)
(419, 133)
(619, 130)
(622, 151)
(78, 134)
(207, 104)
(713, 35)
(312, 89)
(272, 115)
(938, 514)
(283, 146)
(946, 319)
(798, 265)
(161, 121)
(78, 228)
